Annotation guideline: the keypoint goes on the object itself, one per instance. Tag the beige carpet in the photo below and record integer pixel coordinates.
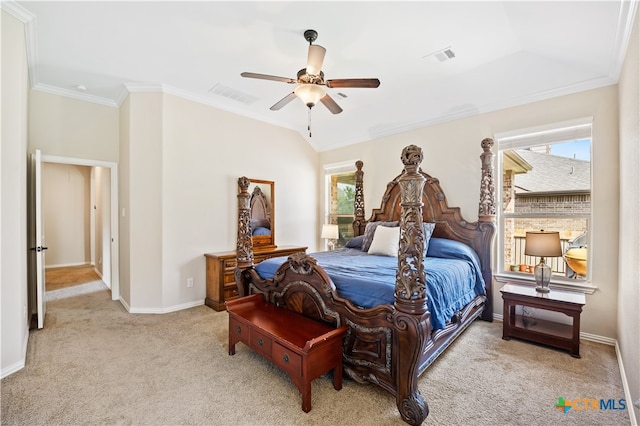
(67, 276)
(96, 364)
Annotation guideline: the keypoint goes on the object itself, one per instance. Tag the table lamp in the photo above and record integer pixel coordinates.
(544, 244)
(330, 233)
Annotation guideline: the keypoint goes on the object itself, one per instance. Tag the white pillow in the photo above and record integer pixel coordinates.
(385, 241)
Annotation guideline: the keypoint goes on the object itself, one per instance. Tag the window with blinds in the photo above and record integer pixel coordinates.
(545, 176)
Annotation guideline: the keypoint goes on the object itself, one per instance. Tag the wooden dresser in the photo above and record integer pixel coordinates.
(221, 284)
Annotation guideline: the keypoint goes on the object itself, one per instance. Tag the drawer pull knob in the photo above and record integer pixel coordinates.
(285, 357)
(239, 329)
(260, 342)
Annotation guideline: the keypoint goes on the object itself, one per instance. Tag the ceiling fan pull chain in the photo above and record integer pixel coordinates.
(309, 123)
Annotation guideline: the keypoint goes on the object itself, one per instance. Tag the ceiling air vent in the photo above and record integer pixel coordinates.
(441, 55)
(234, 94)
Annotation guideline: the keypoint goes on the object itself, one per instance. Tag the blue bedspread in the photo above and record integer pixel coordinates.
(453, 277)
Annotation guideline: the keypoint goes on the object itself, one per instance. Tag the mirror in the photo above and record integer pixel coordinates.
(262, 213)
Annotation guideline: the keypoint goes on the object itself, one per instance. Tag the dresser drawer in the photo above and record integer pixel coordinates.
(259, 258)
(230, 291)
(221, 281)
(290, 361)
(240, 330)
(228, 277)
(261, 342)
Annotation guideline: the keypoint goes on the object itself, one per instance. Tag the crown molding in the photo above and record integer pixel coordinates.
(17, 11)
(30, 35)
(623, 37)
(74, 95)
(143, 87)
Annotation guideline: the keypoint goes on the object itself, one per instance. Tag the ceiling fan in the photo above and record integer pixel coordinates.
(311, 85)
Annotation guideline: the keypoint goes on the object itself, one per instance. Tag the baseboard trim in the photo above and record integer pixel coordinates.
(174, 308)
(625, 385)
(68, 265)
(9, 370)
(18, 365)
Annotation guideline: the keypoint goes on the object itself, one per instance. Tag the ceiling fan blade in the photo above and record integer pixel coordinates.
(354, 82)
(282, 102)
(268, 77)
(315, 59)
(330, 104)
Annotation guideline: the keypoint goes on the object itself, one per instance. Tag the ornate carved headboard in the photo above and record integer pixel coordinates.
(449, 221)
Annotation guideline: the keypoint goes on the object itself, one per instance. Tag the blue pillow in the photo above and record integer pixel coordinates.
(259, 231)
(355, 243)
(450, 249)
(427, 229)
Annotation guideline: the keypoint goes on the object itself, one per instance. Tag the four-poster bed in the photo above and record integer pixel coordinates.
(390, 344)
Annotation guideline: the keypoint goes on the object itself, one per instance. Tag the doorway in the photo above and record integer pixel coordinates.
(79, 199)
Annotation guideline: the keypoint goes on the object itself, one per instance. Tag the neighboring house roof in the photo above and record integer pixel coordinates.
(552, 174)
(514, 162)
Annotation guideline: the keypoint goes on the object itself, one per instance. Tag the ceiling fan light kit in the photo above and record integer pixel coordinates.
(311, 85)
(310, 93)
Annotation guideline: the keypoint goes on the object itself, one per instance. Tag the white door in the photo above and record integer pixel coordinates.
(37, 247)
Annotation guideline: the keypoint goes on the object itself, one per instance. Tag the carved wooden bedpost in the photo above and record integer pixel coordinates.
(244, 243)
(411, 293)
(244, 247)
(487, 207)
(487, 217)
(358, 202)
(412, 329)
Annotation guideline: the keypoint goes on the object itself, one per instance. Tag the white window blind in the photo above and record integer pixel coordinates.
(543, 135)
(338, 168)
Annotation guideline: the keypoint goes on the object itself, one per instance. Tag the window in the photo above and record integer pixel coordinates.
(341, 189)
(546, 184)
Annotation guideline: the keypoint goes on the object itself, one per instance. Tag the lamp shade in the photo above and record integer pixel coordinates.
(310, 93)
(329, 231)
(543, 244)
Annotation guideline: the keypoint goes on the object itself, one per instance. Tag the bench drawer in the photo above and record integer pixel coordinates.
(239, 330)
(290, 361)
(261, 343)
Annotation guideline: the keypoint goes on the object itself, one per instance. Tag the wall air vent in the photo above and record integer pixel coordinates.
(234, 94)
(441, 55)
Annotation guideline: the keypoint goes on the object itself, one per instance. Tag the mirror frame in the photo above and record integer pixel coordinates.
(268, 188)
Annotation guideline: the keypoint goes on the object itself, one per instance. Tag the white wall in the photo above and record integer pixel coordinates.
(629, 278)
(452, 153)
(205, 151)
(68, 127)
(66, 213)
(143, 206)
(124, 194)
(13, 200)
(179, 165)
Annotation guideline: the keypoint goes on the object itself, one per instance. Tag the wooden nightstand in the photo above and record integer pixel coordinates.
(562, 336)
(221, 283)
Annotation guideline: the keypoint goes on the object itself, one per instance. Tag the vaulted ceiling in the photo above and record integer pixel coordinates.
(505, 54)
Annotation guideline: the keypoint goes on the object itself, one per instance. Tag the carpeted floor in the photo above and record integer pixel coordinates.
(96, 364)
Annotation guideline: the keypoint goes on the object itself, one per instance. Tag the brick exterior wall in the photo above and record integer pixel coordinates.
(515, 229)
